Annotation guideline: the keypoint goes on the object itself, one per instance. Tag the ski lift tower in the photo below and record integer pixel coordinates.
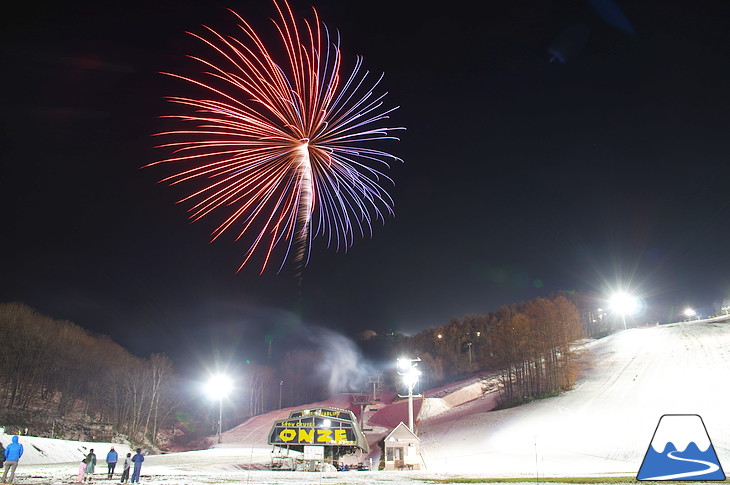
(369, 395)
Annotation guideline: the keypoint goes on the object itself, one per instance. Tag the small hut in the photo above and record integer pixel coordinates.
(402, 449)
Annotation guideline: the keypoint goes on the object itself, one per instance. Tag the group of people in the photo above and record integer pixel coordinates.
(9, 459)
(88, 464)
(10, 456)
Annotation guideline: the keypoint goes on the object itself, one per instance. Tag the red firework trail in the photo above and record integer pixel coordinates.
(280, 148)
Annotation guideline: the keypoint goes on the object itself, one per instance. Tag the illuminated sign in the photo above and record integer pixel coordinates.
(321, 426)
(313, 431)
(328, 412)
(311, 436)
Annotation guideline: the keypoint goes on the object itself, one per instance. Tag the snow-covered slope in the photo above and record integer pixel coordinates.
(606, 423)
(603, 426)
(47, 450)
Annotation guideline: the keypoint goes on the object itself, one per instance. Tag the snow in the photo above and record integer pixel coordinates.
(602, 427)
(38, 451)
(605, 424)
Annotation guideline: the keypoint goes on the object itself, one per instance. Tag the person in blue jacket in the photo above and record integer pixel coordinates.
(137, 459)
(111, 461)
(12, 454)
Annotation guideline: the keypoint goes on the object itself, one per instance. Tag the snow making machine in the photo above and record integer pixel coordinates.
(320, 437)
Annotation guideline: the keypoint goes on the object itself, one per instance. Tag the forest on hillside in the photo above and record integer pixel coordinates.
(527, 344)
(62, 380)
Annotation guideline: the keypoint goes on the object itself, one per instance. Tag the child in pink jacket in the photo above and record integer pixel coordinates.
(82, 470)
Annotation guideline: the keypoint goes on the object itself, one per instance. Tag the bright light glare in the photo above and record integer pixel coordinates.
(624, 304)
(218, 387)
(689, 312)
(410, 378)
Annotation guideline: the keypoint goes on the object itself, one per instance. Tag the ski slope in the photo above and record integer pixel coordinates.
(606, 423)
(601, 427)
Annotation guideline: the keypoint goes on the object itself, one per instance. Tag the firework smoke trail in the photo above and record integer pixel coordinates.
(305, 208)
(279, 150)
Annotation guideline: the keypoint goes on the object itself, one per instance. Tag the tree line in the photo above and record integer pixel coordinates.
(56, 375)
(528, 345)
(55, 368)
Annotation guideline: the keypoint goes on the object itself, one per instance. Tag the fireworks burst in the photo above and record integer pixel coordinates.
(279, 147)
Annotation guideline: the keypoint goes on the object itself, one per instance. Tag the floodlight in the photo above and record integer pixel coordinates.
(624, 304)
(217, 388)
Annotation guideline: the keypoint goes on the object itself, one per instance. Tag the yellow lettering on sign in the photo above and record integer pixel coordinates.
(340, 435)
(306, 435)
(287, 435)
(325, 435)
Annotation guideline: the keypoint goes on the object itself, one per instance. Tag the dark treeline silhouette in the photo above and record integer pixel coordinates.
(61, 380)
(527, 344)
(53, 370)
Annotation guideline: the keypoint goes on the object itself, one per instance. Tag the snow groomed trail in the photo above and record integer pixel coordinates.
(605, 424)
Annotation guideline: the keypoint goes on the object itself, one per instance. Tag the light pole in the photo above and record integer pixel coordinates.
(407, 369)
(624, 304)
(217, 388)
(281, 385)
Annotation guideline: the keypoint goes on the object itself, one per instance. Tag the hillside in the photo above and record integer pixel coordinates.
(603, 426)
(629, 380)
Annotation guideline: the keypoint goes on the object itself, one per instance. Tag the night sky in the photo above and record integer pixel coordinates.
(521, 177)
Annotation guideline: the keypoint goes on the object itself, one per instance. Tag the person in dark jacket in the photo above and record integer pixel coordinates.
(12, 455)
(137, 459)
(2, 454)
(125, 468)
(111, 461)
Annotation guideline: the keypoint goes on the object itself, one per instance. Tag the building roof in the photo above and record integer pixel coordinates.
(401, 433)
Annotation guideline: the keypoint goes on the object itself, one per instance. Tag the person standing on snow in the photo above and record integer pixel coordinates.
(82, 471)
(2, 455)
(125, 468)
(137, 459)
(12, 454)
(111, 461)
(90, 464)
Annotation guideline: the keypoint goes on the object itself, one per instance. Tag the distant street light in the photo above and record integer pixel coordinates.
(624, 304)
(407, 369)
(689, 313)
(217, 388)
